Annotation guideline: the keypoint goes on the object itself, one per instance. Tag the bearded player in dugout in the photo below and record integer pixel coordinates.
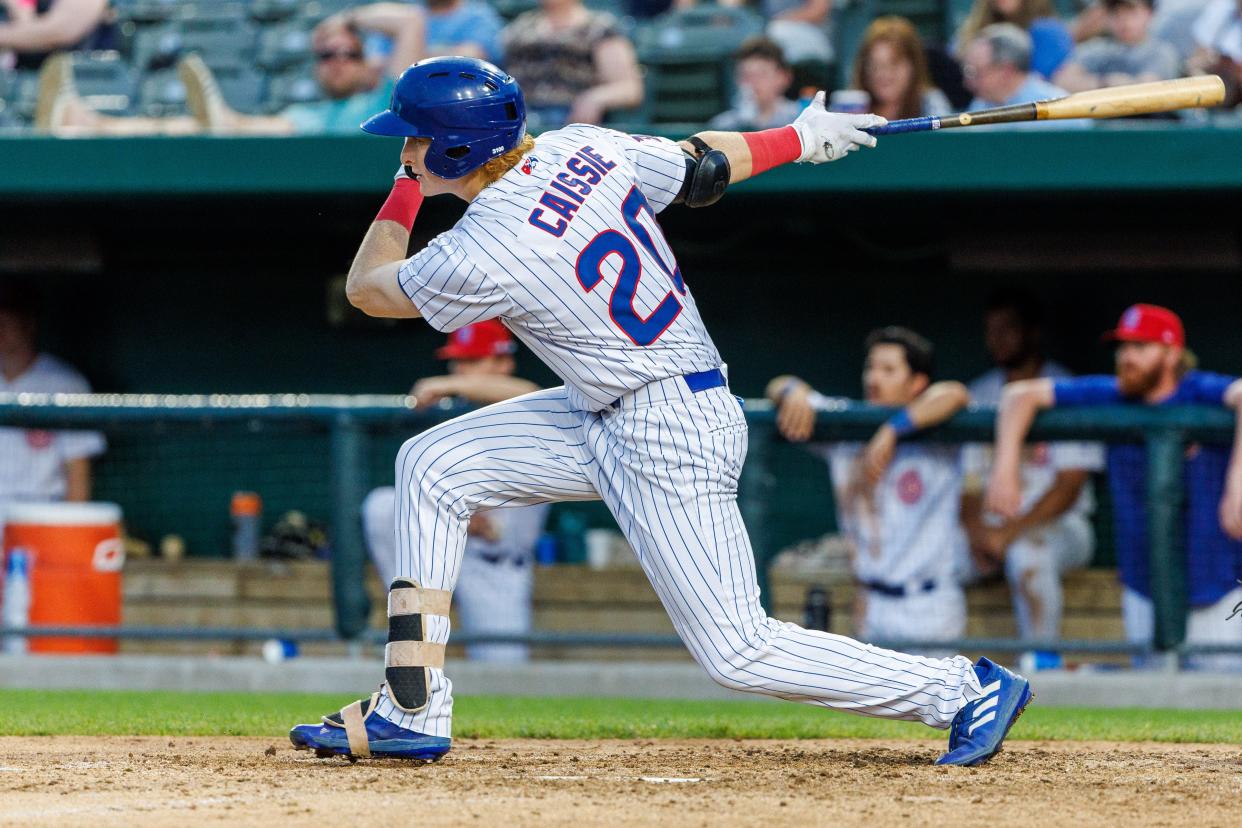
(560, 242)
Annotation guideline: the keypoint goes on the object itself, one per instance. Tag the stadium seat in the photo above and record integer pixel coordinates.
(24, 95)
(161, 94)
(292, 88)
(273, 11)
(509, 9)
(689, 73)
(284, 47)
(243, 88)
(215, 10)
(105, 81)
(316, 10)
(155, 47)
(147, 11)
(220, 41)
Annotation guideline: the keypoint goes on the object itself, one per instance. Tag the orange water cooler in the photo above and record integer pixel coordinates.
(76, 556)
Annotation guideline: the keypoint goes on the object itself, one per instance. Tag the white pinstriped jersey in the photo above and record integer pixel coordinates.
(32, 461)
(907, 528)
(566, 251)
(1041, 462)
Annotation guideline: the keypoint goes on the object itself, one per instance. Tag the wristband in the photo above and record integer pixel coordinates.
(772, 147)
(790, 384)
(901, 424)
(402, 204)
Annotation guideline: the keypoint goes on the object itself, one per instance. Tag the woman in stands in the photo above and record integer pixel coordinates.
(573, 64)
(1050, 38)
(891, 67)
(33, 29)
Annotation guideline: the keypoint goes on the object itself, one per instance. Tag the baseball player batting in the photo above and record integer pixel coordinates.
(560, 243)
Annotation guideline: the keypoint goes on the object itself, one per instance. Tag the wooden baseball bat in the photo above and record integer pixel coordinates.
(1113, 102)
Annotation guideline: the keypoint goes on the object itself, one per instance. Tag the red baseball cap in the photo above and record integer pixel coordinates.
(477, 341)
(1149, 323)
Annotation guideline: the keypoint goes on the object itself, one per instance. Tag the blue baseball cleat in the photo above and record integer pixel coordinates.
(358, 734)
(981, 726)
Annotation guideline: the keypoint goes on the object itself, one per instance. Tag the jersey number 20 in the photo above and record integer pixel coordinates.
(642, 331)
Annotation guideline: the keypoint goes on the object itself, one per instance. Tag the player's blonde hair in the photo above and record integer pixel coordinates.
(494, 170)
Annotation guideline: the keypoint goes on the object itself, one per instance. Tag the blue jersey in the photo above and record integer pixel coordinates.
(1213, 561)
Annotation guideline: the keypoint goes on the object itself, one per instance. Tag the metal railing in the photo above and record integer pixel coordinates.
(349, 421)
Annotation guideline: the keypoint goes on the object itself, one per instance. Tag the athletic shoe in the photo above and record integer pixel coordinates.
(981, 726)
(384, 739)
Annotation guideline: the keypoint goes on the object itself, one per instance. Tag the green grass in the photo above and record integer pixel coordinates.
(37, 713)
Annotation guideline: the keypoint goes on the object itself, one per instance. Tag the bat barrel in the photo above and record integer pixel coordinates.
(1137, 99)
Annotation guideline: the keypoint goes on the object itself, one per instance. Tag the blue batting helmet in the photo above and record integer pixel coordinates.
(471, 110)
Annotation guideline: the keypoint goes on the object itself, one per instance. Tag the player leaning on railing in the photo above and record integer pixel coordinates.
(1152, 369)
(560, 242)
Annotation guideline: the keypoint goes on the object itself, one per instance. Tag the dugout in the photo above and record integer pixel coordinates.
(205, 264)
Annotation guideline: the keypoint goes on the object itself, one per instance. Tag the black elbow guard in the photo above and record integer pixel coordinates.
(707, 176)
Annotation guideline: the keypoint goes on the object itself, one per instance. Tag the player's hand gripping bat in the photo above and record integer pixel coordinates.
(1113, 102)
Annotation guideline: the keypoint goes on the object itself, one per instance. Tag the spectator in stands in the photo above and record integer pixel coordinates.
(38, 465)
(35, 29)
(352, 88)
(1132, 55)
(1154, 369)
(996, 67)
(463, 27)
(891, 67)
(802, 28)
(574, 64)
(1217, 34)
(763, 78)
(1052, 533)
(454, 27)
(897, 503)
(1051, 42)
(1172, 22)
(494, 588)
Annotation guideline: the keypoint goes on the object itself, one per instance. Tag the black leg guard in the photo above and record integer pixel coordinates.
(408, 656)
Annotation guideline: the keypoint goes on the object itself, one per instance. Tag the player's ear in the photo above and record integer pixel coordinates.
(921, 383)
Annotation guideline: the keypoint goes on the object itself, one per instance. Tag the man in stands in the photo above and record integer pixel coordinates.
(997, 68)
(352, 88)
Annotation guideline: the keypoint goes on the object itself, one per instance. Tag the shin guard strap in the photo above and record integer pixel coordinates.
(414, 654)
(416, 601)
(356, 730)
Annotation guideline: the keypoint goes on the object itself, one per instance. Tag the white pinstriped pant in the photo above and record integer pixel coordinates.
(666, 462)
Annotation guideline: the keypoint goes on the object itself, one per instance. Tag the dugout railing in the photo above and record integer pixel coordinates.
(342, 443)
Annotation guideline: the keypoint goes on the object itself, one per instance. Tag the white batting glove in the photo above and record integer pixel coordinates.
(827, 136)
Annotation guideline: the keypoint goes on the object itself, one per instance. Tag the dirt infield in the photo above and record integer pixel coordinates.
(147, 781)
